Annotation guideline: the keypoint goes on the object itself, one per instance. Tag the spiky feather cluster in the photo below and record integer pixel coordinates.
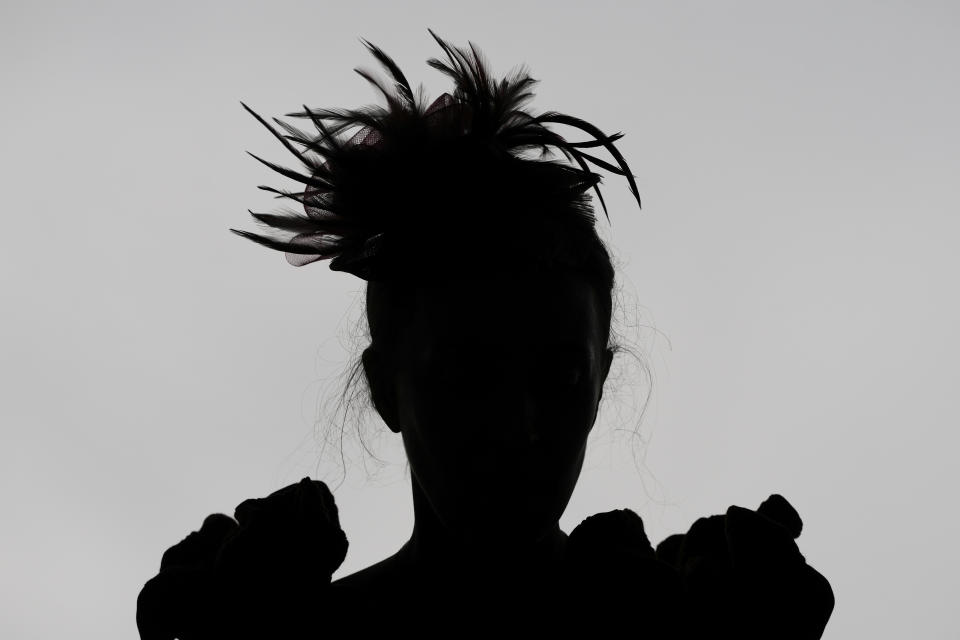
(415, 177)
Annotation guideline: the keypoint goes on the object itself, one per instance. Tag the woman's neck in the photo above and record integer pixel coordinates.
(434, 552)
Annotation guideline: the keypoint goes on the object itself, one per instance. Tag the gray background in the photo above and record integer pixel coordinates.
(790, 280)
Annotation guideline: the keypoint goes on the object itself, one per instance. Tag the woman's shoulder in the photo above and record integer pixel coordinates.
(371, 589)
(380, 576)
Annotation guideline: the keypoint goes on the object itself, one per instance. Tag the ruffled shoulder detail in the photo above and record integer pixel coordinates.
(611, 565)
(614, 532)
(257, 575)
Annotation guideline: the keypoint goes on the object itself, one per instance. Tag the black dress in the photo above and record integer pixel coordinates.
(267, 575)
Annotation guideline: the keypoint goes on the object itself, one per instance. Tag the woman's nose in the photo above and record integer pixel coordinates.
(514, 423)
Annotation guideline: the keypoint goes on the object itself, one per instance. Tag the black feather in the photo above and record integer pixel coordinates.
(380, 176)
(402, 85)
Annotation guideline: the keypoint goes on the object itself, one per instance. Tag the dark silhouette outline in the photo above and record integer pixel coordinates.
(489, 301)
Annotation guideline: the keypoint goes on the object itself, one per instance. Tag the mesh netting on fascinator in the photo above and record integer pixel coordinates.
(420, 185)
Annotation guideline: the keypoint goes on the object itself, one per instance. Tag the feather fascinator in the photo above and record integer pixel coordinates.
(419, 185)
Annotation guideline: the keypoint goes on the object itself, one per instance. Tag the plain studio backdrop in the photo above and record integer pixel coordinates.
(790, 282)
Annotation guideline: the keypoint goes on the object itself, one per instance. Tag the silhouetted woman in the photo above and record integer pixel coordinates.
(489, 298)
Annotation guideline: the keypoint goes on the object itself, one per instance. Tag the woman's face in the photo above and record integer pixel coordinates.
(497, 384)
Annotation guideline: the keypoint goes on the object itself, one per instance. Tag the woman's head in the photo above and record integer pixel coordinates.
(489, 292)
(493, 381)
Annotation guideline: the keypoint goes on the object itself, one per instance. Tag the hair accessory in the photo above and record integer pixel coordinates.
(412, 175)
